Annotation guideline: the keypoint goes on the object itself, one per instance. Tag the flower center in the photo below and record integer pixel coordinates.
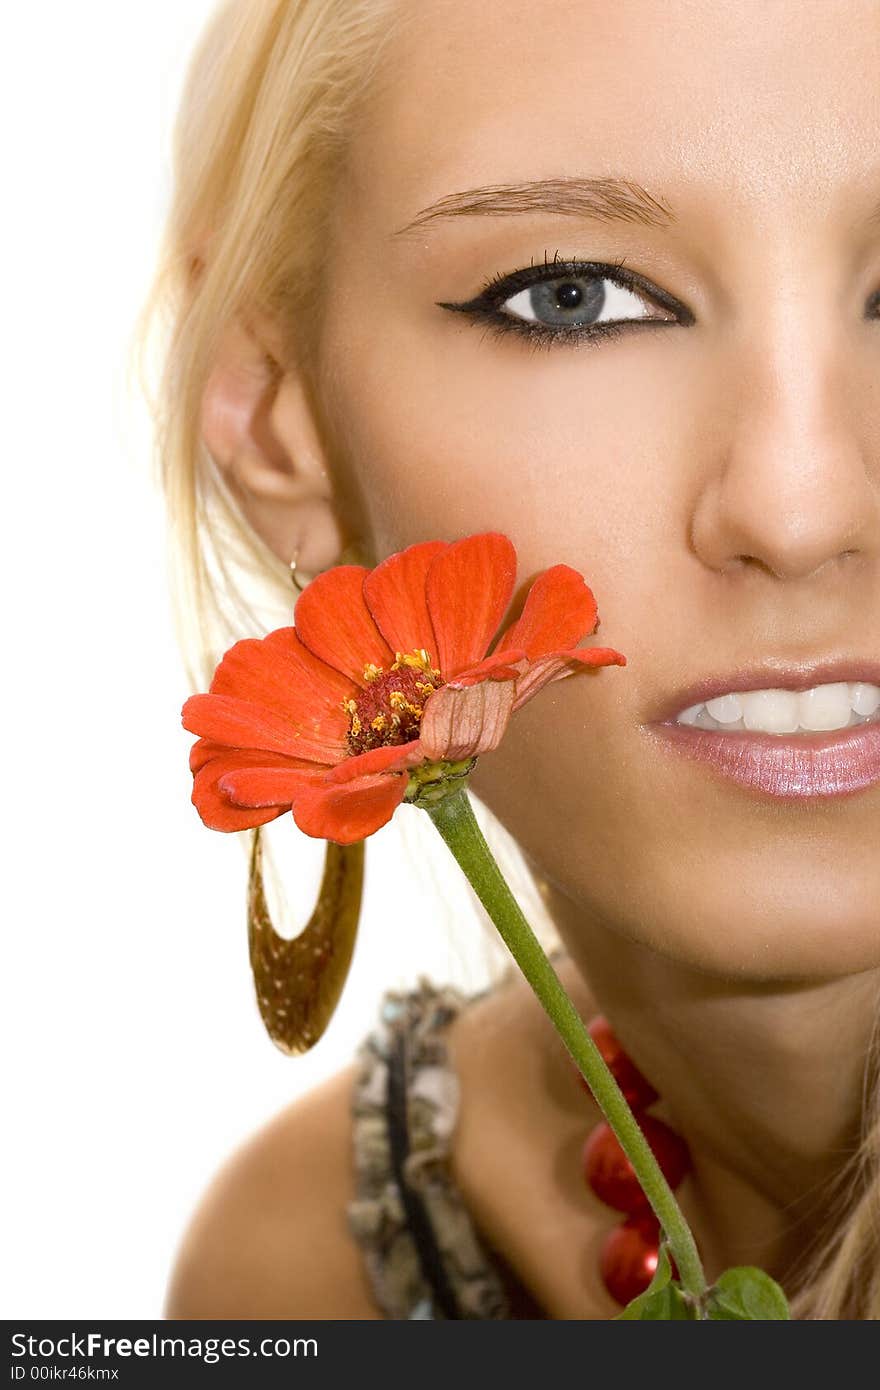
(390, 710)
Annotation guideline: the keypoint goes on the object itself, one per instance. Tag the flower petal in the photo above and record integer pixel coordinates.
(333, 620)
(264, 786)
(390, 758)
(558, 664)
(510, 663)
(218, 814)
(468, 587)
(559, 611)
(395, 595)
(202, 751)
(461, 723)
(352, 811)
(281, 673)
(242, 724)
(215, 808)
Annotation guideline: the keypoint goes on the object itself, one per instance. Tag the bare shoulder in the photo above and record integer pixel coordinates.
(270, 1238)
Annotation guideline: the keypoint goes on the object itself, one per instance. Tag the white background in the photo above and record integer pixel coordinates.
(134, 1058)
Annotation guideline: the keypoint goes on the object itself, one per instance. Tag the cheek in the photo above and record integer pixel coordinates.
(566, 783)
(450, 431)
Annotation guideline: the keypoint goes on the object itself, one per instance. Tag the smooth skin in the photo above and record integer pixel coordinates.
(716, 478)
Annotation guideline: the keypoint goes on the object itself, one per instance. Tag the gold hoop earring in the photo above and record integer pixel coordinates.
(299, 980)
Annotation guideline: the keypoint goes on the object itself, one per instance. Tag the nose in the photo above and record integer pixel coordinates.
(792, 481)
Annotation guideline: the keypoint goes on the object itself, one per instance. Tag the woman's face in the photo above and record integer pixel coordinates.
(715, 474)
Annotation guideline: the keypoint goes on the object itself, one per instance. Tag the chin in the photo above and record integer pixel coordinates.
(782, 918)
(790, 903)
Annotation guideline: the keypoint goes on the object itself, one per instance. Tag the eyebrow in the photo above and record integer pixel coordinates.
(604, 199)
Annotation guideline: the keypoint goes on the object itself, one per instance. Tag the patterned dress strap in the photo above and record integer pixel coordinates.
(423, 1255)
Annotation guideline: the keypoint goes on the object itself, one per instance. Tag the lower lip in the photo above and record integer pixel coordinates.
(805, 765)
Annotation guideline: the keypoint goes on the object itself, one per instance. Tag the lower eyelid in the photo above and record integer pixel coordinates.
(501, 324)
(541, 338)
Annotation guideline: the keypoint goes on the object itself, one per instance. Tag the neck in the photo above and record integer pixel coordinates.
(763, 1080)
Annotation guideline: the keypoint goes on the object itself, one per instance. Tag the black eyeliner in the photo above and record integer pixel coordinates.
(485, 309)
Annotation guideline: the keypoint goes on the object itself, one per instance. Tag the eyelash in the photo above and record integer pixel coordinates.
(484, 308)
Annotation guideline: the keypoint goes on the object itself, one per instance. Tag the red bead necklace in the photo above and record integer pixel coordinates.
(629, 1252)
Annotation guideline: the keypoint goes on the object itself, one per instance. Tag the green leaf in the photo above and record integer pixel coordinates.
(662, 1300)
(745, 1293)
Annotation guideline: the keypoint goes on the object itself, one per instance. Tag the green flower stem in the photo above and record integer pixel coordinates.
(454, 818)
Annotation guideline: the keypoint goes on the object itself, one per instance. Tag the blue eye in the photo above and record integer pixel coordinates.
(576, 300)
(571, 301)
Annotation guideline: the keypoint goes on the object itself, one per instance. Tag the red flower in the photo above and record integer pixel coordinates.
(385, 671)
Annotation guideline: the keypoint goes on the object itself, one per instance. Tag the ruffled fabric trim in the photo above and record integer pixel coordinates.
(422, 1252)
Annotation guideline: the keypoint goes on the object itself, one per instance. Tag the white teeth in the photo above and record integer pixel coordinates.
(865, 698)
(774, 711)
(825, 707)
(837, 705)
(691, 714)
(727, 709)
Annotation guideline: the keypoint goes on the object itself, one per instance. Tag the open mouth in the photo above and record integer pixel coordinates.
(823, 708)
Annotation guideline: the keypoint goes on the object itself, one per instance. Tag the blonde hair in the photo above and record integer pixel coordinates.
(840, 1278)
(271, 93)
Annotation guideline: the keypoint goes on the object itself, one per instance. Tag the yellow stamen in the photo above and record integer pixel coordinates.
(398, 701)
(419, 659)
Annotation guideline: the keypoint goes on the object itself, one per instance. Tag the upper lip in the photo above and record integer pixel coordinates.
(768, 676)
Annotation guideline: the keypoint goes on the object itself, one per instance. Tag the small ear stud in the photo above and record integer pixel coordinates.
(298, 580)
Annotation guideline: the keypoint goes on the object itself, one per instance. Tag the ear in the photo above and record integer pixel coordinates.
(259, 426)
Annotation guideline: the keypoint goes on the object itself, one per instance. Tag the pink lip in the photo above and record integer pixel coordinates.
(803, 765)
